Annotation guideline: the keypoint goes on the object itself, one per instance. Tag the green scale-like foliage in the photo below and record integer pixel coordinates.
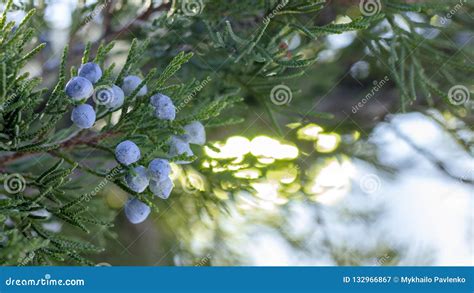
(31, 121)
(248, 47)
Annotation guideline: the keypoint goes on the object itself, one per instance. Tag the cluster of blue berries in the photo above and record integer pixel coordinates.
(194, 133)
(157, 176)
(164, 107)
(81, 87)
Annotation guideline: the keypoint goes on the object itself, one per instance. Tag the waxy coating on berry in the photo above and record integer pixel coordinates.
(159, 169)
(138, 179)
(118, 98)
(130, 83)
(79, 88)
(160, 99)
(195, 133)
(167, 112)
(164, 107)
(127, 152)
(136, 211)
(162, 189)
(83, 116)
(179, 147)
(90, 71)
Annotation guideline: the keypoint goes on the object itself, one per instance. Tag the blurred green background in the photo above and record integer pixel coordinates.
(333, 182)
